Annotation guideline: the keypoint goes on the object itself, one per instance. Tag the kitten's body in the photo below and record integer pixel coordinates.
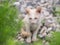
(33, 22)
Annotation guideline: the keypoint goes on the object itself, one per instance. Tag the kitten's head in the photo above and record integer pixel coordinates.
(33, 14)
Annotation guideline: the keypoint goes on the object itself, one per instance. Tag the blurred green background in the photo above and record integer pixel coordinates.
(9, 26)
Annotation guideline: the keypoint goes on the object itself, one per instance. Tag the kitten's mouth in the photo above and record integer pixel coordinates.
(33, 23)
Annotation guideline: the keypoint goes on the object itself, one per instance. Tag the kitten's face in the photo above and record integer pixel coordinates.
(33, 15)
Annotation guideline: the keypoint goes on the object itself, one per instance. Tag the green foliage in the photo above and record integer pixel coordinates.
(8, 24)
(56, 39)
(38, 42)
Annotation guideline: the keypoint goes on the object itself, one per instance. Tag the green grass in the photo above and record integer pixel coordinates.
(56, 39)
(8, 24)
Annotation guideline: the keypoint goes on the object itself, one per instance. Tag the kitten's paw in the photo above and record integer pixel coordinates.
(28, 40)
(35, 39)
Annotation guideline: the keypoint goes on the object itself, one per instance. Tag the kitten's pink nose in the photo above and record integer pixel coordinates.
(33, 22)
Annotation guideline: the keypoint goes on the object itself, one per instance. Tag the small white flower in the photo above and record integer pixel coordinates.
(16, 3)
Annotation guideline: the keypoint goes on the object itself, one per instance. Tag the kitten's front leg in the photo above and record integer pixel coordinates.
(34, 36)
(28, 39)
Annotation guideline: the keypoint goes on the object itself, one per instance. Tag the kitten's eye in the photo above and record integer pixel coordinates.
(30, 18)
(35, 17)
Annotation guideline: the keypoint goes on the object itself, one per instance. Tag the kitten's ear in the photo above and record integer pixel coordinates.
(27, 10)
(38, 9)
